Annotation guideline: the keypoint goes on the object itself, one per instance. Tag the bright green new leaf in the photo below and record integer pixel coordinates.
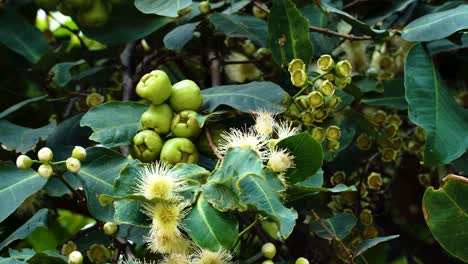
(162, 7)
(19, 105)
(22, 139)
(38, 220)
(431, 107)
(249, 27)
(340, 225)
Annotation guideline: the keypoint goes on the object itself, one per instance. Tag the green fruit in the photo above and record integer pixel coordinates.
(186, 95)
(147, 145)
(23, 162)
(302, 261)
(204, 7)
(96, 16)
(110, 228)
(157, 117)
(154, 87)
(73, 165)
(79, 153)
(269, 250)
(75, 258)
(77, 4)
(45, 171)
(185, 124)
(179, 150)
(47, 4)
(45, 155)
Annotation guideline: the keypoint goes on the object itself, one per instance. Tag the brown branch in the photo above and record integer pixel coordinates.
(214, 68)
(212, 145)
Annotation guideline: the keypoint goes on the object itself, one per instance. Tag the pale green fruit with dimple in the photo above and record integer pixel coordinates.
(45, 171)
(45, 154)
(154, 87)
(179, 150)
(269, 250)
(95, 16)
(79, 153)
(302, 261)
(157, 117)
(186, 95)
(185, 124)
(147, 145)
(73, 165)
(110, 228)
(75, 258)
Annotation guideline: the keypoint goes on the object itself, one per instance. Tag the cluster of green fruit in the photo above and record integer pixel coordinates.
(87, 13)
(172, 114)
(269, 252)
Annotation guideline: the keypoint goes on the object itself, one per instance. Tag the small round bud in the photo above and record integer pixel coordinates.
(364, 142)
(393, 120)
(293, 112)
(388, 154)
(299, 78)
(94, 99)
(302, 101)
(296, 64)
(325, 63)
(318, 134)
(342, 82)
(315, 99)
(307, 118)
(79, 153)
(375, 181)
(332, 102)
(269, 250)
(204, 7)
(333, 133)
(259, 13)
(98, 253)
(378, 117)
(45, 154)
(366, 218)
(73, 165)
(68, 248)
(301, 260)
(45, 171)
(343, 68)
(327, 88)
(75, 258)
(248, 47)
(23, 162)
(110, 228)
(338, 177)
(320, 115)
(333, 145)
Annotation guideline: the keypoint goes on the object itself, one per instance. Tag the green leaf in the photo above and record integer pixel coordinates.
(194, 176)
(16, 185)
(369, 243)
(285, 20)
(39, 219)
(61, 72)
(210, 228)
(323, 44)
(446, 214)
(97, 175)
(114, 123)
(437, 25)
(249, 27)
(257, 192)
(431, 107)
(308, 156)
(162, 7)
(22, 139)
(20, 105)
(445, 45)
(340, 225)
(394, 95)
(20, 36)
(245, 97)
(49, 257)
(179, 36)
(11, 261)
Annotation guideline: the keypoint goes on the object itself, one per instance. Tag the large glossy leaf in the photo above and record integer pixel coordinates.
(340, 225)
(39, 219)
(245, 97)
(308, 156)
(15, 186)
(114, 123)
(22, 139)
(97, 174)
(20, 36)
(210, 228)
(285, 20)
(323, 44)
(445, 45)
(446, 214)
(394, 95)
(179, 36)
(162, 7)
(437, 25)
(431, 107)
(61, 72)
(369, 243)
(19, 105)
(250, 27)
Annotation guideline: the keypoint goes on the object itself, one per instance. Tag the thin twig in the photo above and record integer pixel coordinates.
(68, 185)
(214, 68)
(212, 144)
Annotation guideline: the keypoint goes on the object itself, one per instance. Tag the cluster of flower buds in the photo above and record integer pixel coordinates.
(329, 138)
(415, 142)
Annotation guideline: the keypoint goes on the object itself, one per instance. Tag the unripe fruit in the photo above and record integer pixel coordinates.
(179, 150)
(157, 117)
(248, 47)
(75, 258)
(269, 250)
(186, 95)
(23, 162)
(45, 171)
(45, 154)
(154, 87)
(318, 134)
(204, 7)
(110, 228)
(79, 153)
(333, 133)
(73, 165)
(96, 16)
(302, 261)
(47, 4)
(185, 124)
(147, 145)
(315, 99)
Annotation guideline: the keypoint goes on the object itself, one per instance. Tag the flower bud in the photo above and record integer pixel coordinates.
(23, 162)
(366, 218)
(68, 248)
(45, 171)
(98, 253)
(391, 130)
(327, 88)
(110, 228)
(370, 232)
(185, 124)
(343, 68)
(318, 134)
(147, 145)
(338, 177)
(307, 118)
(332, 102)
(73, 165)
(315, 99)
(302, 101)
(301, 260)
(364, 142)
(332, 145)
(374, 181)
(388, 154)
(293, 111)
(333, 133)
(393, 120)
(342, 82)
(248, 47)
(296, 64)
(79, 153)
(204, 7)
(45, 155)
(378, 117)
(94, 99)
(325, 63)
(75, 258)
(269, 250)
(299, 78)
(259, 13)
(320, 115)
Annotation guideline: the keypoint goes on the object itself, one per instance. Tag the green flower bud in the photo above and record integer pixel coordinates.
(332, 102)
(378, 117)
(333, 133)
(329, 77)
(366, 218)
(327, 88)
(94, 99)
(388, 154)
(269, 250)
(318, 134)
(110, 228)
(301, 260)
(325, 63)
(45, 155)
(73, 165)
(259, 13)
(157, 117)
(370, 232)
(293, 111)
(204, 7)
(338, 177)
(75, 257)
(342, 82)
(68, 248)
(248, 47)
(332, 145)
(179, 150)
(343, 68)
(296, 64)
(147, 145)
(315, 99)
(299, 78)
(23, 162)
(393, 120)
(154, 87)
(302, 101)
(307, 118)
(391, 130)
(45, 171)
(420, 134)
(79, 153)
(185, 124)
(98, 254)
(320, 115)
(374, 181)
(364, 142)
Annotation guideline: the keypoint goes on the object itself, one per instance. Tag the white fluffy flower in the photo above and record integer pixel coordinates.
(243, 138)
(205, 256)
(264, 122)
(280, 160)
(285, 129)
(157, 181)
